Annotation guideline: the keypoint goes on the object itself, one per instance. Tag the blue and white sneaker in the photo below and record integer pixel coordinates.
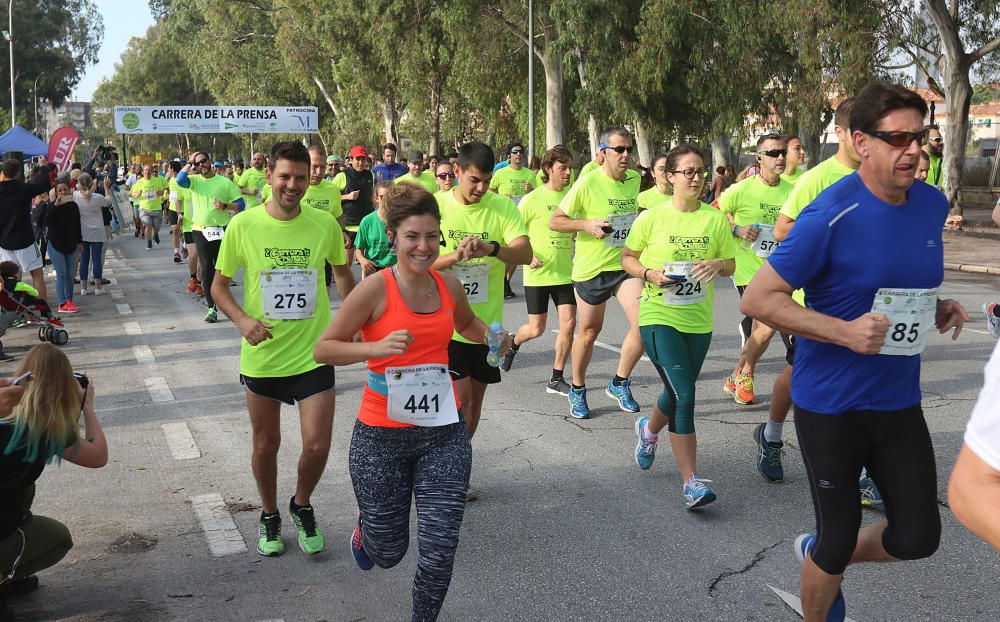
(870, 496)
(578, 408)
(697, 494)
(768, 457)
(358, 549)
(645, 451)
(623, 395)
(804, 546)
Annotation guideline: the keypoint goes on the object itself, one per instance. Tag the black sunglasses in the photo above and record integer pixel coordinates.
(900, 140)
(446, 175)
(621, 149)
(515, 151)
(774, 153)
(200, 162)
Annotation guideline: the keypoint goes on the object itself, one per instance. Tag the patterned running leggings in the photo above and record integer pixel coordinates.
(389, 466)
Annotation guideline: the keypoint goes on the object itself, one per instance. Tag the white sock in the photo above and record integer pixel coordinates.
(177, 250)
(646, 434)
(772, 431)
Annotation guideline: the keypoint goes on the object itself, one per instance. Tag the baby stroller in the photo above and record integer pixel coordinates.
(13, 310)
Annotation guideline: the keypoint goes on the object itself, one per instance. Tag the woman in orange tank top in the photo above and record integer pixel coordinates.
(410, 441)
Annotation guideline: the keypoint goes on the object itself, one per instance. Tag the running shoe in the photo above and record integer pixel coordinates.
(156, 237)
(177, 258)
(84, 291)
(149, 245)
(508, 293)
(730, 386)
(768, 457)
(184, 253)
(269, 541)
(212, 315)
(191, 284)
(622, 394)
(22, 586)
(310, 537)
(69, 307)
(578, 408)
(992, 321)
(559, 385)
(105, 282)
(744, 390)
(98, 291)
(358, 549)
(697, 494)
(199, 291)
(508, 359)
(870, 496)
(645, 451)
(55, 321)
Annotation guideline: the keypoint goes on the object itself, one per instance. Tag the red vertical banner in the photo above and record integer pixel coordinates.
(61, 147)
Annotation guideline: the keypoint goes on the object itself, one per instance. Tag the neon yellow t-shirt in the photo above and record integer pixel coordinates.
(648, 199)
(494, 218)
(255, 180)
(666, 234)
(206, 189)
(149, 192)
(340, 180)
(553, 249)
(600, 196)
(423, 181)
(815, 180)
(513, 184)
(257, 242)
(265, 194)
(752, 201)
(589, 167)
(183, 197)
(794, 179)
(323, 196)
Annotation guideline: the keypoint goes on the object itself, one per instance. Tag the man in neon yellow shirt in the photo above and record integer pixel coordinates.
(324, 195)
(752, 206)
(593, 165)
(795, 162)
(148, 191)
(417, 175)
(173, 217)
(282, 248)
(482, 231)
(253, 180)
(549, 275)
(180, 202)
(935, 152)
(600, 209)
(513, 181)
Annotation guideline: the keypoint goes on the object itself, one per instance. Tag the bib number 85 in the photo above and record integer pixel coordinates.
(290, 301)
(903, 332)
(424, 405)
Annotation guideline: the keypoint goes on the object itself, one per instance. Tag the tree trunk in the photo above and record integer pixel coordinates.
(436, 88)
(958, 97)
(644, 146)
(722, 151)
(389, 117)
(552, 64)
(593, 132)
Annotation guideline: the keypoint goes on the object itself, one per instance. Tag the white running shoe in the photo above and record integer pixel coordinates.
(992, 321)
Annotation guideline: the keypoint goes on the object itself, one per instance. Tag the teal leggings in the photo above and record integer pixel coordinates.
(678, 358)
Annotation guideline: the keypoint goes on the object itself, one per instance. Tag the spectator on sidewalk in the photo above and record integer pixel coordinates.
(17, 237)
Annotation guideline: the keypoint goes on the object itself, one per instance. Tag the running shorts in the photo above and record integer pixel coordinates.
(538, 297)
(598, 290)
(291, 389)
(467, 360)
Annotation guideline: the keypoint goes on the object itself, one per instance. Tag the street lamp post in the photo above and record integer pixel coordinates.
(10, 41)
(531, 79)
(34, 89)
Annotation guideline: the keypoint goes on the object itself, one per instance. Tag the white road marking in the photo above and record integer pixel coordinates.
(117, 293)
(217, 523)
(793, 601)
(158, 390)
(143, 354)
(976, 330)
(601, 344)
(180, 441)
(132, 328)
(113, 280)
(124, 309)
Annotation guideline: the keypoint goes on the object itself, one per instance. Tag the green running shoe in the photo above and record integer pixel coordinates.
(310, 538)
(269, 543)
(212, 315)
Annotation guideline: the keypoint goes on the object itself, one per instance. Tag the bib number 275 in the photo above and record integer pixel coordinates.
(290, 301)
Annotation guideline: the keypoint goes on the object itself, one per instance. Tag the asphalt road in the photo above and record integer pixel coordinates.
(566, 528)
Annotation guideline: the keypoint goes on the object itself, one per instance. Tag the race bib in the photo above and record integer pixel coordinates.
(150, 195)
(212, 233)
(687, 292)
(622, 224)
(288, 294)
(260, 194)
(475, 280)
(765, 243)
(421, 395)
(173, 195)
(911, 314)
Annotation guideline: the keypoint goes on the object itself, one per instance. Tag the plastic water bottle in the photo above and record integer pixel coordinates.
(494, 339)
(745, 245)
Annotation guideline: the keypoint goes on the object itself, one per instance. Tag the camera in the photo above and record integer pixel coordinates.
(82, 379)
(106, 153)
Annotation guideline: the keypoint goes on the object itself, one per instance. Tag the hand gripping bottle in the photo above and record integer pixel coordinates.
(494, 339)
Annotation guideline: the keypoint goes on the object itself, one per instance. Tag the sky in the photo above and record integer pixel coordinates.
(123, 19)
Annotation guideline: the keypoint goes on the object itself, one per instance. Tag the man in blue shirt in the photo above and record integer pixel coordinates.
(388, 169)
(868, 252)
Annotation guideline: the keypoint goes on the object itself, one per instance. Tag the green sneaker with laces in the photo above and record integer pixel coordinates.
(311, 539)
(212, 315)
(269, 543)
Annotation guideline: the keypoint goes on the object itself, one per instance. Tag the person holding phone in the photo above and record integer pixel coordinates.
(39, 424)
(62, 228)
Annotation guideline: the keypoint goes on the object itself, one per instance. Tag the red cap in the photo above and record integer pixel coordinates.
(358, 152)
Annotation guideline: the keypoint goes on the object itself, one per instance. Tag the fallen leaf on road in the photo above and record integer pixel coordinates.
(231, 597)
(180, 595)
(302, 593)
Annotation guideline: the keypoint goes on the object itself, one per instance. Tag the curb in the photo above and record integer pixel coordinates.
(970, 267)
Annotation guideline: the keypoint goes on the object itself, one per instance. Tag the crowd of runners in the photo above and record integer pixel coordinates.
(843, 261)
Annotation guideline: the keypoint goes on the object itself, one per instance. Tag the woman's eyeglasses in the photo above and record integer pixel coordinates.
(691, 173)
(445, 175)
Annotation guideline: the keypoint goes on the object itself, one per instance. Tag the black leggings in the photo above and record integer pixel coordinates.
(208, 253)
(746, 324)
(895, 447)
(389, 466)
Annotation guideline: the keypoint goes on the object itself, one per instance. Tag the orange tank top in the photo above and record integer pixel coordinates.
(431, 334)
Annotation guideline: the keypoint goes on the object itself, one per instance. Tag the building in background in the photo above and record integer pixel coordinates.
(72, 114)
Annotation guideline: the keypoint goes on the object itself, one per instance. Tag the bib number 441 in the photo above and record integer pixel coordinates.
(427, 404)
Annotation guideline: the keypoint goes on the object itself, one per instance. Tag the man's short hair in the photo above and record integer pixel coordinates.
(292, 150)
(771, 136)
(842, 116)
(175, 166)
(318, 149)
(615, 130)
(511, 146)
(12, 168)
(880, 98)
(476, 154)
(559, 153)
(391, 146)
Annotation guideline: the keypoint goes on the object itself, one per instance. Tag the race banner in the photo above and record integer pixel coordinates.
(216, 119)
(61, 147)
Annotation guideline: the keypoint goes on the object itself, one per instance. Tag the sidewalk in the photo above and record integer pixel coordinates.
(972, 252)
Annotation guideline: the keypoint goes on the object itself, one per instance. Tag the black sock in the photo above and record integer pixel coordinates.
(579, 387)
(996, 310)
(264, 515)
(514, 346)
(618, 380)
(294, 507)
(557, 374)
(194, 276)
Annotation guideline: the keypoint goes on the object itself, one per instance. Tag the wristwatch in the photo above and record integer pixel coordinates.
(496, 248)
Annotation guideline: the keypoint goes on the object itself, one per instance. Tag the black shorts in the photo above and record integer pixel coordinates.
(789, 341)
(171, 217)
(469, 360)
(537, 297)
(291, 389)
(598, 290)
(351, 235)
(189, 237)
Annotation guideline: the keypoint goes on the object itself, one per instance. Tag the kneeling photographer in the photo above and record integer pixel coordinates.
(41, 426)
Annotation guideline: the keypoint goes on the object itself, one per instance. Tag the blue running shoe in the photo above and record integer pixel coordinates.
(870, 496)
(645, 451)
(768, 457)
(623, 395)
(697, 494)
(578, 408)
(358, 549)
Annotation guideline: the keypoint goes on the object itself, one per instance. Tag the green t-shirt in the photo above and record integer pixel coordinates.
(553, 249)
(666, 234)
(494, 218)
(600, 196)
(259, 243)
(794, 178)
(513, 184)
(255, 180)
(648, 199)
(752, 201)
(815, 180)
(183, 197)
(206, 189)
(427, 183)
(149, 192)
(373, 241)
(323, 196)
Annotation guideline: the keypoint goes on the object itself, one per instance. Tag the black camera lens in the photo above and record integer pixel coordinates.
(82, 379)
